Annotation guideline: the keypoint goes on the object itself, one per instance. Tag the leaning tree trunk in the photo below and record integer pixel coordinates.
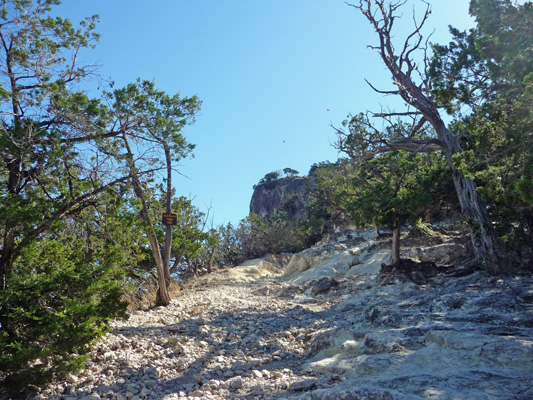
(475, 209)
(472, 205)
(162, 297)
(404, 71)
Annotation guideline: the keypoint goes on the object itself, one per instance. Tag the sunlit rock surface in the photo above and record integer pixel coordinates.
(325, 326)
(269, 198)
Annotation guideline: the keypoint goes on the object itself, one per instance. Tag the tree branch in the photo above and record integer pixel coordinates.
(70, 208)
(396, 114)
(80, 139)
(382, 91)
(404, 144)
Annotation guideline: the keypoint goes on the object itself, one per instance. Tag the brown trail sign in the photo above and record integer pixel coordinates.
(170, 219)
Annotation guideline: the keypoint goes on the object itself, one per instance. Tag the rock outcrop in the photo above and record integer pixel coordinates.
(290, 192)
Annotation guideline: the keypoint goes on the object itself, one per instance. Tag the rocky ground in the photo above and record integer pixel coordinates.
(326, 326)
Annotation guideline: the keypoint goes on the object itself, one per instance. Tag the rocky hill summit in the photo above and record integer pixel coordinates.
(291, 192)
(326, 323)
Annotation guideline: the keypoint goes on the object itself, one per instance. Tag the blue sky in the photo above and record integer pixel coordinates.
(266, 71)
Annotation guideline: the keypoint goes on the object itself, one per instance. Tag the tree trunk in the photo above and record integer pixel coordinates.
(162, 297)
(6, 258)
(475, 209)
(211, 263)
(395, 247)
(378, 233)
(472, 205)
(418, 95)
(168, 232)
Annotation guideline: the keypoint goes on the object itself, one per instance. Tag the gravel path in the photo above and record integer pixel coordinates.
(243, 336)
(222, 341)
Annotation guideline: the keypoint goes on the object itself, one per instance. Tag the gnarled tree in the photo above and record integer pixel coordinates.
(364, 140)
(489, 72)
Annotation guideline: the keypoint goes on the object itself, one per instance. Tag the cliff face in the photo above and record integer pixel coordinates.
(290, 193)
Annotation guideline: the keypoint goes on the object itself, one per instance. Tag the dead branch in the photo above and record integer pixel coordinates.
(395, 114)
(382, 91)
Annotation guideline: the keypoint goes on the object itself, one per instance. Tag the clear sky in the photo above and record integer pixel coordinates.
(273, 77)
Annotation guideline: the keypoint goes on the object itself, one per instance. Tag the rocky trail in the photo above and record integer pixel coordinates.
(326, 326)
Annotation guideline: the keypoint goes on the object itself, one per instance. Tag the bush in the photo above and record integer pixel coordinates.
(256, 237)
(58, 299)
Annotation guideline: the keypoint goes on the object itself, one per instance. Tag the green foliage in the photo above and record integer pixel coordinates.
(192, 245)
(152, 115)
(257, 237)
(69, 223)
(290, 172)
(503, 38)
(489, 71)
(494, 57)
(392, 190)
(316, 166)
(331, 189)
(62, 293)
(421, 228)
(269, 179)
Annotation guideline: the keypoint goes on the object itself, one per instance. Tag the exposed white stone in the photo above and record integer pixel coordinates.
(272, 337)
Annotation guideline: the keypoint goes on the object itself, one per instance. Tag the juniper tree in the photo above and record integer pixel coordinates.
(484, 78)
(63, 160)
(408, 65)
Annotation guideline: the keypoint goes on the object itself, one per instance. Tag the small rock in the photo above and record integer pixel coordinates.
(275, 374)
(213, 384)
(151, 371)
(258, 387)
(149, 383)
(132, 388)
(70, 389)
(172, 341)
(305, 385)
(284, 385)
(257, 374)
(324, 284)
(254, 362)
(236, 383)
(228, 374)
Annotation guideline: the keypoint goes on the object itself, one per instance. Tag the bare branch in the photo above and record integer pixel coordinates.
(382, 91)
(417, 127)
(401, 67)
(396, 114)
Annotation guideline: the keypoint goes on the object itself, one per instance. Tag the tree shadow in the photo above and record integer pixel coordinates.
(274, 340)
